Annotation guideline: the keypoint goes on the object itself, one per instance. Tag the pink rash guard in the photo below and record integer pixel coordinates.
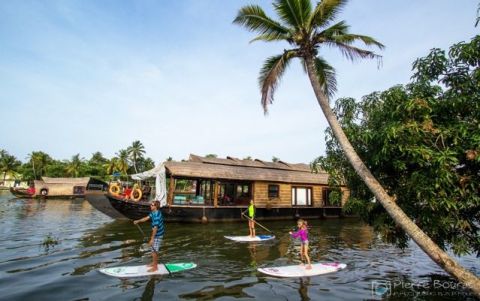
(302, 233)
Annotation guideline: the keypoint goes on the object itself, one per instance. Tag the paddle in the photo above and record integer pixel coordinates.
(144, 246)
(141, 231)
(243, 213)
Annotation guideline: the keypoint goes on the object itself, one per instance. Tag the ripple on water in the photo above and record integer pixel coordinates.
(88, 240)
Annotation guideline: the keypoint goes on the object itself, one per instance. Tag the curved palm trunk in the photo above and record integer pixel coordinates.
(34, 173)
(426, 244)
(135, 164)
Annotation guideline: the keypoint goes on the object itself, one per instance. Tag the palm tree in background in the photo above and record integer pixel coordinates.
(122, 161)
(73, 167)
(136, 151)
(31, 159)
(39, 161)
(8, 164)
(111, 165)
(306, 29)
(98, 158)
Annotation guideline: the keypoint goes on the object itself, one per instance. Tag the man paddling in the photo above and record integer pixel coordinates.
(157, 232)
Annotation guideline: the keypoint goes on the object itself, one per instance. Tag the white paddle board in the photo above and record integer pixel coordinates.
(142, 270)
(301, 271)
(248, 238)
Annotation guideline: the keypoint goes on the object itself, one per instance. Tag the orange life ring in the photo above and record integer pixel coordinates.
(136, 195)
(114, 188)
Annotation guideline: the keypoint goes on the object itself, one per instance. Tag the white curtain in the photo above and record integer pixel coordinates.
(160, 182)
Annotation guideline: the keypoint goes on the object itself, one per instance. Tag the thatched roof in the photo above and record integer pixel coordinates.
(248, 170)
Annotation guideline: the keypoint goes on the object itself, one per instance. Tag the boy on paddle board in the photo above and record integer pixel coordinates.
(251, 217)
(157, 232)
(302, 233)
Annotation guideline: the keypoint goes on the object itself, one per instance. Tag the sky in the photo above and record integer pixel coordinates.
(82, 76)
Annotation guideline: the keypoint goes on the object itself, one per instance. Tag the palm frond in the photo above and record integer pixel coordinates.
(352, 53)
(340, 28)
(293, 12)
(270, 75)
(351, 38)
(478, 15)
(326, 76)
(325, 12)
(254, 18)
(270, 38)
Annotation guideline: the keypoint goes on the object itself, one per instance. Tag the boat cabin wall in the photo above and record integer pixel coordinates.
(59, 189)
(271, 194)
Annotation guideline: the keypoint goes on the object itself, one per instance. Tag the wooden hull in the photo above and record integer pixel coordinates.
(99, 201)
(198, 213)
(22, 194)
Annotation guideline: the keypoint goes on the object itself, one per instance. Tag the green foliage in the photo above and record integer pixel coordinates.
(127, 161)
(49, 241)
(306, 29)
(9, 164)
(422, 142)
(335, 197)
(136, 152)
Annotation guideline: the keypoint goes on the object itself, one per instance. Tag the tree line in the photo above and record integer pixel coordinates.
(38, 164)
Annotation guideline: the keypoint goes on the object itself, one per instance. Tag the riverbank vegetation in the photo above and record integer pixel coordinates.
(38, 163)
(307, 30)
(422, 141)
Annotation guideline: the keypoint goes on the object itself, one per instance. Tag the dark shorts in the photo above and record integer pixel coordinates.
(157, 243)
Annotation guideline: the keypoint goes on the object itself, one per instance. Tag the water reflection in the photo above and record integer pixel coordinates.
(303, 288)
(216, 291)
(88, 240)
(149, 290)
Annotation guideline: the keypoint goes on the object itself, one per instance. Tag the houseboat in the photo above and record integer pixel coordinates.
(58, 188)
(204, 189)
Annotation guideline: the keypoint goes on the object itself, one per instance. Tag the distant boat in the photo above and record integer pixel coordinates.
(58, 188)
(214, 189)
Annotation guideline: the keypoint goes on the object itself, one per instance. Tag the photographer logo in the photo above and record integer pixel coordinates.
(381, 288)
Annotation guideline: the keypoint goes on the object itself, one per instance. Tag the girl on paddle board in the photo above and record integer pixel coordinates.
(302, 233)
(157, 232)
(251, 217)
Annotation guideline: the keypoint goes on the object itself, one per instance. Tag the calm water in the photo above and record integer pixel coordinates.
(88, 240)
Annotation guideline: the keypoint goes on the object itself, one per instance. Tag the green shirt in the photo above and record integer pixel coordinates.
(251, 211)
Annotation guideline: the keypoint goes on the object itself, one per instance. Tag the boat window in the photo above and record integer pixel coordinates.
(331, 197)
(234, 193)
(79, 190)
(301, 196)
(273, 191)
(185, 191)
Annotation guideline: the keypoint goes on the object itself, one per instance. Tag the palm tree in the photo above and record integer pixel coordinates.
(39, 161)
(111, 165)
(31, 159)
(97, 158)
(122, 161)
(73, 167)
(306, 29)
(8, 164)
(135, 151)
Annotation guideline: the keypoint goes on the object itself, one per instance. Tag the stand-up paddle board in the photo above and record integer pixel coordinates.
(248, 238)
(301, 271)
(141, 270)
